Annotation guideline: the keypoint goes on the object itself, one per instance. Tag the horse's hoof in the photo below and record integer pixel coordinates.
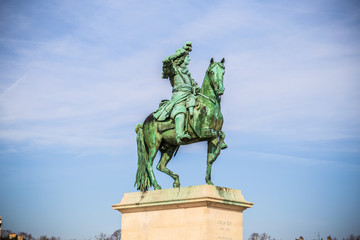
(224, 146)
(209, 182)
(157, 187)
(176, 184)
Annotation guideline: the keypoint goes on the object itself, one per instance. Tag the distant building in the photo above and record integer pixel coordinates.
(0, 226)
(13, 236)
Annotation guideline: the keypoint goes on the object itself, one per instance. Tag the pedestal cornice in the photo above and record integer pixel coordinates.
(185, 197)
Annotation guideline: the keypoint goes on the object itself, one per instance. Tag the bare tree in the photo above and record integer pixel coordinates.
(254, 236)
(102, 236)
(26, 236)
(353, 237)
(49, 238)
(266, 236)
(263, 236)
(116, 235)
(5, 234)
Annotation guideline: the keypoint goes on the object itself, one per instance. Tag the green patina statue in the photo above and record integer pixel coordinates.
(192, 115)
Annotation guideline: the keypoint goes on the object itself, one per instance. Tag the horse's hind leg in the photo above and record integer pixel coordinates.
(152, 155)
(152, 141)
(166, 155)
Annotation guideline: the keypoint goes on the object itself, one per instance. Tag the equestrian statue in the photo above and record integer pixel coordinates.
(192, 115)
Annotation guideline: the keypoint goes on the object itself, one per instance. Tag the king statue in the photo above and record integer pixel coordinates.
(192, 115)
(184, 90)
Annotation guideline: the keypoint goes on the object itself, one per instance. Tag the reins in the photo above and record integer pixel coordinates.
(213, 101)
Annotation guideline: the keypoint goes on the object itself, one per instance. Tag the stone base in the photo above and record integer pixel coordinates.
(202, 212)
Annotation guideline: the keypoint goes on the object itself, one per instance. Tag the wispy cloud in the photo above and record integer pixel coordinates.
(289, 159)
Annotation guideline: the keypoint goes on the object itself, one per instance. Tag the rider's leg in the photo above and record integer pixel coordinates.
(190, 104)
(180, 134)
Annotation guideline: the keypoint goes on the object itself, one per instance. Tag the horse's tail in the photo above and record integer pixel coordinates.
(142, 182)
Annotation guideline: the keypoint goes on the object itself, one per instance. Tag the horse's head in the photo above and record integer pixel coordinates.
(215, 73)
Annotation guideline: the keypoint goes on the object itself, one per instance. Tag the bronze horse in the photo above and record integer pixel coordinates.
(205, 125)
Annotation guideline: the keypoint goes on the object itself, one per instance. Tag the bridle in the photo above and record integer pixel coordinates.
(207, 72)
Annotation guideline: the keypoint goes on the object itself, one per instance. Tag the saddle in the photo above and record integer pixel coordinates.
(169, 124)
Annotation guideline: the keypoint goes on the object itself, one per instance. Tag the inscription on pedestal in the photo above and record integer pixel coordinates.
(225, 229)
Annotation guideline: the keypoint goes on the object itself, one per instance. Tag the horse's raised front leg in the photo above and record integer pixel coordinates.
(152, 155)
(166, 156)
(214, 147)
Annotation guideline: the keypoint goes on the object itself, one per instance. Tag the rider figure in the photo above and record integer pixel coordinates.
(184, 90)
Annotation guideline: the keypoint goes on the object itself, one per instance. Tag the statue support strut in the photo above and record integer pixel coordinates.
(192, 115)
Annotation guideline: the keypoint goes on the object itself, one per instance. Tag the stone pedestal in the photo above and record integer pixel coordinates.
(202, 212)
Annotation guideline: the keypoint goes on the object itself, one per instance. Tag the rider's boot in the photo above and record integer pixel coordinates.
(180, 134)
(191, 111)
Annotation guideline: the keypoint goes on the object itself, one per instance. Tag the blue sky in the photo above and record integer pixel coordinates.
(77, 76)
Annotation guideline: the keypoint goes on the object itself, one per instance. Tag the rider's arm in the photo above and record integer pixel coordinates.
(196, 88)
